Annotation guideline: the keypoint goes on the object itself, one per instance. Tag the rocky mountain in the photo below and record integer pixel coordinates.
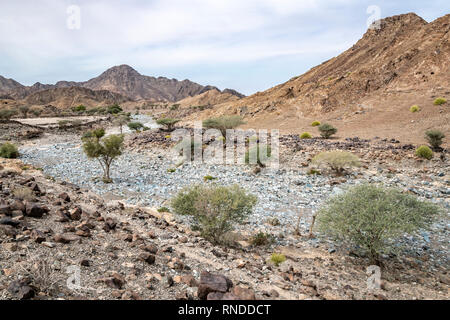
(389, 69)
(209, 98)
(123, 80)
(8, 85)
(73, 96)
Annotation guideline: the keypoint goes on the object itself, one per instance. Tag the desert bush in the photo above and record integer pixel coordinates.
(7, 114)
(105, 150)
(168, 123)
(122, 119)
(174, 107)
(209, 178)
(327, 130)
(338, 161)
(277, 258)
(114, 109)
(163, 210)
(315, 124)
(414, 108)
(424, 152)
(214, 208)
(36, 111)
(261, 153)
(24, 110)
(24, 194)
(373, 217)
(261, 239)
(223, 123)
(135, 126)
(79, 108)
(434, 138)
(9, 151)
(440, 101)
(305, 135)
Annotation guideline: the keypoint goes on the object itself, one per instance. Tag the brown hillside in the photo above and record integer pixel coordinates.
(211, 97)
(368, 89)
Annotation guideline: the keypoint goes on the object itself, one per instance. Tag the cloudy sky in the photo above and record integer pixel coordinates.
(247, 45)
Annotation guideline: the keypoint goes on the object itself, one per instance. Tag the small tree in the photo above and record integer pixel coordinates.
(214, 208)
(424, 152)
(114, 109)
(434, 138)
(80, 108)
(7, 114)
(338, 161)
(105, 150)
(223, 123)
(327, 130)
(122, 119)
(259, 153)
(8, 151)
(169, 123)
(24, 110)
(135, 126)
(372, 217)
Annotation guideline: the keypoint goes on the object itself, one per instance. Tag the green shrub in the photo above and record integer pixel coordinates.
(163, 210)
(424, 152)
(440, 101)
(372, 217)
(214, 208)
(338, 161)
(434, 138)
(7, 114)
(209, 178)
(327, 130)
(260, 153)
(315, 124)
(80, 108)
(414, 109)
(261, 239)
(114, 109)
(135, 126)
(169, 123)
(305, 135)
(105, 150)
(8, 151)
(277, 258)
(171, 170)
(174, 107)
(223, 123)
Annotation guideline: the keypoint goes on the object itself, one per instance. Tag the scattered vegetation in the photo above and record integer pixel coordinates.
(440, 101)
(261, 239)
(104, 149)
(214, 208)
(223, 123)
(209, 178)
(327, 130)
(8, 151)
(305, 135)
(277, 258)
(24, 194)
(424, 152)
(435, 138)
(24, 110)
(136, 126)
(259, 154)
(171, 170)
(414, 109)
(114, 109)
(80, 108)
(371, 217)
(7, 114)
(338, 161)
(168, 123)
(315, 124)
(163, 210)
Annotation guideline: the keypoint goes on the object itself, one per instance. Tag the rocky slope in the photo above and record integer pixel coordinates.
(208, 98)
(403, 63)
(122, 80)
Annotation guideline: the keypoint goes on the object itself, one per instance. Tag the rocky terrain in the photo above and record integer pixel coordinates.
(367, 90)
(120, 83)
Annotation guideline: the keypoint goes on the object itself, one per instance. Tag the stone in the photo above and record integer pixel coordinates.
(212, 283)
(151, 248)
(75, 214)
(115, 281)
(147, 257)
(38, 236)
(9, 222)
(6, 210)
(22, 289)
(243, 293)
(64, 196)
(36, 210)
(65, 238)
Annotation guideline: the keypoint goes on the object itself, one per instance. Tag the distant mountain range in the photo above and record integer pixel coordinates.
(122, 80)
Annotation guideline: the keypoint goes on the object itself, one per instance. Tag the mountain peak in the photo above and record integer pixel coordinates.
(123, 69)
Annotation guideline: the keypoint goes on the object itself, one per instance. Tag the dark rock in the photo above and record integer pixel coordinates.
(243, 293)
(5, 209)
(212, 283)
(147, 257)
(9, 222)
(22, 289)
(36, 210)
(64, 196)
(75, 214)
